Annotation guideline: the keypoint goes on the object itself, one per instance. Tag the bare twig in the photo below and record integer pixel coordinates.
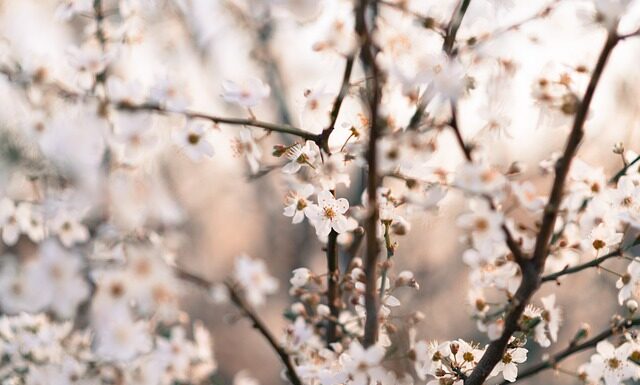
(238, 300)
(286, 359)
(571, 270)
(333, 286)
(574, 347)
(335, 110)
(282, 128)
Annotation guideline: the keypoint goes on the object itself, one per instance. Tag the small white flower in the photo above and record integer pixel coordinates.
(297, 202)
(328, 214)
(69, 229)
(31, 222)
(300, 277)
(193, 139)
(508, 363)
(248, 93)
(245, 145)
(300, 156)
(253, 276)
(9, 222)
(629, 282)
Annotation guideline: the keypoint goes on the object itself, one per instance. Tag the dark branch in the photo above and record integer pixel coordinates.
(282, 128)
(335, 110)
(574, 347)
(367, 57)
(571, 270)
(246, 309)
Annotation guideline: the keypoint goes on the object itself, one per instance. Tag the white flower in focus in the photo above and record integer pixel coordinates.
(603, 238)
(508, 363)
(9, 222)
(248, 93)
(297, 202)
(254, 278)
(328, 214)
(611, 363)
(193, 139)
(300, 156)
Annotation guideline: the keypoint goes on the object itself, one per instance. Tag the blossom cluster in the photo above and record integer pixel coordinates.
(90, 266)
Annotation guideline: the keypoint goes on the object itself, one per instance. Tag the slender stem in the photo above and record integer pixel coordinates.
(573, 348)
(286, 359)
(454, 26)
(333, 286)
(335, 110)
(390, 253)
(532, 270)
(571, 270)
(456, 130)
(282, 128)
(623, 171)
(238, 300)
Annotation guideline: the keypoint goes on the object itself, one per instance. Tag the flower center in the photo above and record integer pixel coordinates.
(329, 212)
(193, 139)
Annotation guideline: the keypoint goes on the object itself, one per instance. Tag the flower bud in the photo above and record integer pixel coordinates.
(632, 306)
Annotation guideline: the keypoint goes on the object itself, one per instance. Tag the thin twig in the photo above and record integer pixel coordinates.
(573, 348)
(286, 359)
(238, 300)
(335, 110)
(282, 128)
(571, 270)
(333, 286)
(623, 171)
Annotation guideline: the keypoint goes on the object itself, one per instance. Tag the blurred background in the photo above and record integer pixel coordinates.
(200, 43)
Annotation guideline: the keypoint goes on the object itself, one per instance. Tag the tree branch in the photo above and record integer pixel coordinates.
(333, 286)
(531, 271)
(335, 110)
(573, 348)
(571, 270)
(286, 359)
(246, 309)
(282, 128)
(367, 57)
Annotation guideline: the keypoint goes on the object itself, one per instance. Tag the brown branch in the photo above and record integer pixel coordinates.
(286, 359)
(454, 26)
(574, 347)
(333, 287)
(367, 57)
(571, 270)
(532, 270)
(238, 300)
(282, 128)
(335, 110)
